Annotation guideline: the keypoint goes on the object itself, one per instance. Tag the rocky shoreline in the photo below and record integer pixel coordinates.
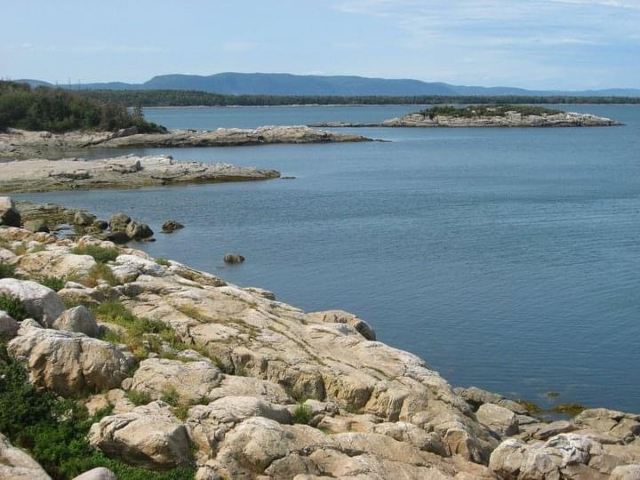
(510, 120)
(24, 144)
(228, 382)
(37, 175)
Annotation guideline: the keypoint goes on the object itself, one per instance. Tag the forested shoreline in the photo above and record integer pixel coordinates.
(191, 98)
(58, 110)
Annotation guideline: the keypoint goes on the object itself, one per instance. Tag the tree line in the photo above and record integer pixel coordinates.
(190, 98)
(58, 110)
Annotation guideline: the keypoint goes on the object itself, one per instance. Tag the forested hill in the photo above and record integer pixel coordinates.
(283, 84)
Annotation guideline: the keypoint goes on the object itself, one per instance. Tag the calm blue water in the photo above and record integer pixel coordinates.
(507, 258)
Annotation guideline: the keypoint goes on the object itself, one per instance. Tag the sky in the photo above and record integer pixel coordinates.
(536, 44)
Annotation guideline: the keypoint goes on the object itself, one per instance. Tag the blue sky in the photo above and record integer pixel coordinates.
(548, 44)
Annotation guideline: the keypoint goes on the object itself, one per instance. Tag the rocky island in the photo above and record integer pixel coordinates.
(488, 116)
(130, 171)
(114, 363)
(16, 143)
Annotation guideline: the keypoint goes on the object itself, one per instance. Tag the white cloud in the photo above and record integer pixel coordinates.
(549, 43)
(502, 22)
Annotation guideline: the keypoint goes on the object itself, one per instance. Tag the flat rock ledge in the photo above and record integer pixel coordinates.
(240, 385)
(511, 119)
(22, 143)
(39, 175)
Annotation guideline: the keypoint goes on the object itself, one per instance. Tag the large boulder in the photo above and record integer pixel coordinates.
(192, 381)
(9, 216)
(70, 363)
(170, 226)
(56, 262)
(36, 225)
(40, 302)
(138, 231)
(119, 221)
(99, 473)
(17, 465)
(83, 219)
(149, 436)
(209, 423)
(127, 268)
(564, 456)
(626, 472)
(476, 397)
(8, 326)
(553, 429)
(233, 258)
(498, 419)
(339, 316)
(78, 319)
(625, 426)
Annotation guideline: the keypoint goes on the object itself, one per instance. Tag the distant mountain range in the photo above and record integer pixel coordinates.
(341, 85)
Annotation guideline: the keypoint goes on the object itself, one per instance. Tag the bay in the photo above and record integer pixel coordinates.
(506, 258)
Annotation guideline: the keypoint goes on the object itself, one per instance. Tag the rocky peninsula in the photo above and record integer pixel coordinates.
(171, 371)
(481, 116)
(130, 171)
(16, 143)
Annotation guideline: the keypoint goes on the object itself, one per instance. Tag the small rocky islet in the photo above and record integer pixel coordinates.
(180, 373)
(487, 116)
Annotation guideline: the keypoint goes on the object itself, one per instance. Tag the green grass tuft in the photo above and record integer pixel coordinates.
(171, 397)
(14, 308)
(138, 398)
(302, 414)
(7, 270)
(54, 283)
(99, 254)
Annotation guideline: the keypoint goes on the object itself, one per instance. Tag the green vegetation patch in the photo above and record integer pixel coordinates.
(54, 431)
(14, 308)
(473, 111)
(57, 110)
(54, 283)
(99, 254)
(138, 398)
(7, 270)
(142, 335)
(302, 413)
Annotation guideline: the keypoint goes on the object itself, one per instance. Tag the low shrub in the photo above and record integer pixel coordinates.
(54, 431)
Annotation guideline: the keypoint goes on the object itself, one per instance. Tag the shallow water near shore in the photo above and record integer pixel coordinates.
(506, 258)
